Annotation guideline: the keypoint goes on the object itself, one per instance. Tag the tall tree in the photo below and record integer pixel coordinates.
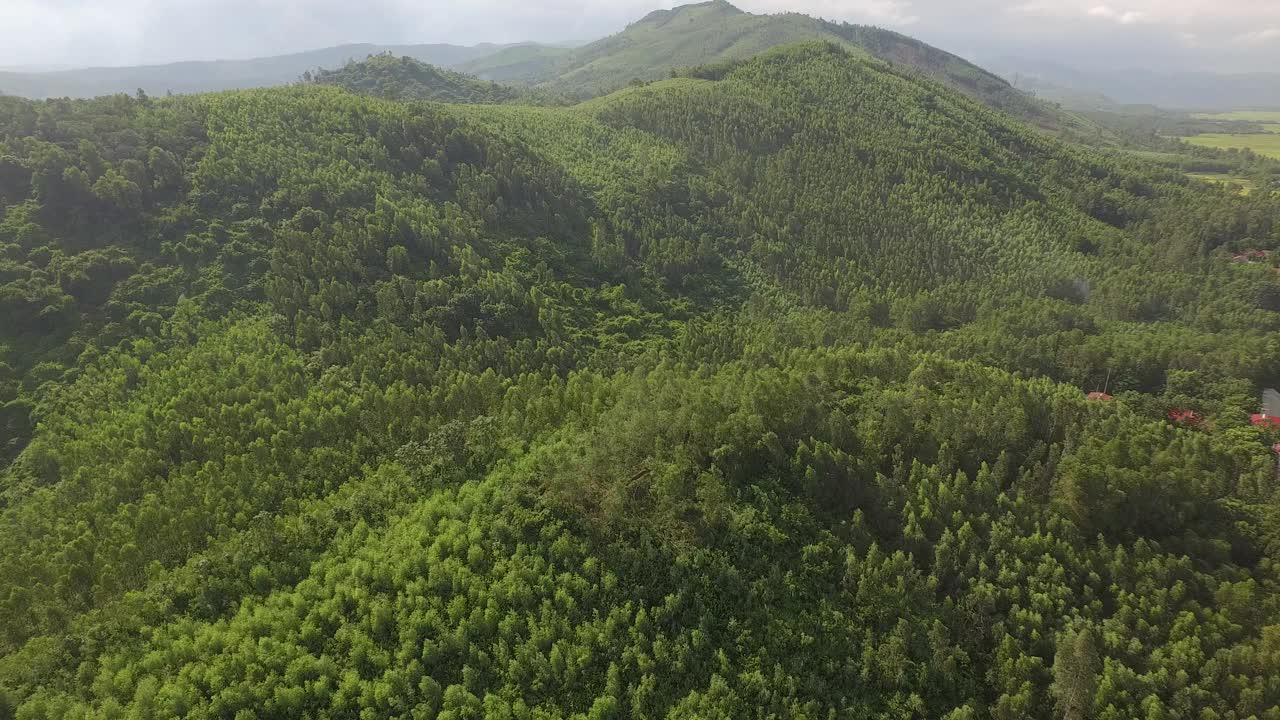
(1075, 673)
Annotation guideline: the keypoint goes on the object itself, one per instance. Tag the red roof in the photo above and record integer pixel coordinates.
(1098, 396)
(1263, 419)
(1184, 416)
(1251, 255)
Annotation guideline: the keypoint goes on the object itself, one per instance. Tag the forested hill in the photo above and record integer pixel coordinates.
(754, 393)
(650, 48)
(713, 32)
(403, 78)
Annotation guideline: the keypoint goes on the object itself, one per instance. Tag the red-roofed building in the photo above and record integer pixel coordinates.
(1249, 256)
(1183, 416)
(1265, 420)
(1099, 396)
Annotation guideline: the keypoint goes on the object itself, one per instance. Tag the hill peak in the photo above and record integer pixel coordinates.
(702, 10)
(405, 78)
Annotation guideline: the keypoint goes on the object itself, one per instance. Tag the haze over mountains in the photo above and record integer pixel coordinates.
(212, 76)
(1132, 86)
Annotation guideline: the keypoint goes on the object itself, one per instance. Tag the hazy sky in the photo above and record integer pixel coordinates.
(1216, 34)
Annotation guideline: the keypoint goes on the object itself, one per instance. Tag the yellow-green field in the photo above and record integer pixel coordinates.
(1264, 116)
(1264, 143)
(1245, 185)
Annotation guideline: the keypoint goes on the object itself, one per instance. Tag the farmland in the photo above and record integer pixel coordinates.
(1259, 116)
(1266, 143)
(1245, 185)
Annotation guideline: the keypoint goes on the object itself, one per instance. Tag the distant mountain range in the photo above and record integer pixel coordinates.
(211, 76)
(652, 48)
(1097, 90)
(666, 40)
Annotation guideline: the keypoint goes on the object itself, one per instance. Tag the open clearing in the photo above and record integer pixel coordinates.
(1245, 185)
(1259, 116)
(1264, 143)
(1267, 143)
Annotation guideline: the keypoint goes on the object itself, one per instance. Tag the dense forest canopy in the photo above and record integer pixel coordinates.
(759, 391)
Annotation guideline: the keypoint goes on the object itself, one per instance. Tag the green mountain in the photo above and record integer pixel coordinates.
(714, 32)
(403, 78)
(662, 41)
(754, 393)
(211, 76)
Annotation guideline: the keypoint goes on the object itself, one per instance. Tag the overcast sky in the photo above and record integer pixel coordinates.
(1231, 35)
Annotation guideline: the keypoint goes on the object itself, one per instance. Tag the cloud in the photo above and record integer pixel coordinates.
(1124, 17)
(1058, 10)
(50, 32)
(1259, 37)
(1189, 39)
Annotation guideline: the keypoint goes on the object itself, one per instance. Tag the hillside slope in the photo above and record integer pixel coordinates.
(752, 394)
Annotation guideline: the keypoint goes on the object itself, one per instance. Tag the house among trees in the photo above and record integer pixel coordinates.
(1270, 415)
(1249, 256)
(1099, 395)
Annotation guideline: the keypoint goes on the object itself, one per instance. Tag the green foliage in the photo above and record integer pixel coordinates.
(1075, 670)
(753, 393)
